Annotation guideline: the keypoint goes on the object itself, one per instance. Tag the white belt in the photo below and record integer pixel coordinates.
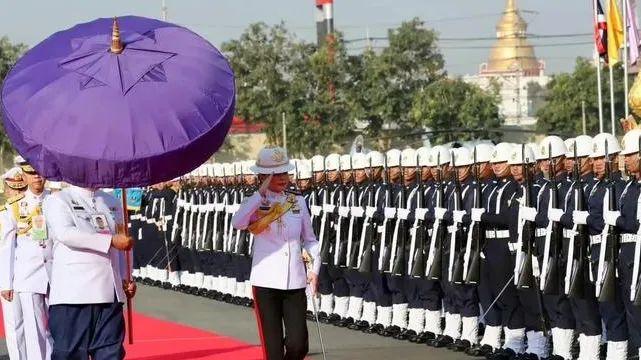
(497, 234)
(540, 232)
(568, 233)
(451, 228)
(629, 238)
(595, 239)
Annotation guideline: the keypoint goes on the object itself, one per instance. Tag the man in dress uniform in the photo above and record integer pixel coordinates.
(282, 227)
(26, 261)
(87, 256)
(14, 187)
(626, 221)
(547, 219)
(611, 313)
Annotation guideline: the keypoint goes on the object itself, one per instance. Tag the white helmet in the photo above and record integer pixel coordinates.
(553, 144)
(599, 143)
(294, 163)
(376, 159)
(440, 155)
(318, 163)
(568, 142)
(304, 170)
(519, 152)
(408, 158)
(332, 162)
(502, 152)
(630, 142)
(461, 157)
(346, 162)
(247, 164)
(583, 145)
(360, 161)
(228, 169)
(393, 158)
(423, 156)
(483, 152)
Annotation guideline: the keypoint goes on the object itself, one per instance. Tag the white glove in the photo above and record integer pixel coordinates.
(528, 213)
(402, 213)
(580, 217)
(477, 213)
(419, 213)
(610, 217)
(457, 216)
(439, 212)
(555, 214)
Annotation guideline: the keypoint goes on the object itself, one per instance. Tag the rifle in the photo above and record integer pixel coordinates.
(385, 250)
(637, 290)
(340, 250)
(551, 281)
(525, 271)
(607, 289)
(325, 222)
(353, 238)
(457, 236)
(579, 252)
(476, 235)
(400, 260)
(418, 265)
(368, 242)
(439, 232)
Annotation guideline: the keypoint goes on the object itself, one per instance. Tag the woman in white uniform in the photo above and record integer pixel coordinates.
(282, 227)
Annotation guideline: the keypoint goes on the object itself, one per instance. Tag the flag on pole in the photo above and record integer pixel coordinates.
(601, 32)
(633, 32)
(615, 32)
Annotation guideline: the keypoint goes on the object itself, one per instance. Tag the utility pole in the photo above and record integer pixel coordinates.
(284, 133)
(585, 132)
(163, 10)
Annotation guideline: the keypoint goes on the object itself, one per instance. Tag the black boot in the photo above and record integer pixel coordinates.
(390, 331)
(460, 345)
(480, 350)
(503, 354)
(375, 329)
(360, 325)
(333, 319)
(345, 322)
(441, 341)
(422, 337)
(405, 334)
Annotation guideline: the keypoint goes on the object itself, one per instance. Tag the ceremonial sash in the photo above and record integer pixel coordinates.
(274, 213)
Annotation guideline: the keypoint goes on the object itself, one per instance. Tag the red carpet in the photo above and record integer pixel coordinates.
(156, 339)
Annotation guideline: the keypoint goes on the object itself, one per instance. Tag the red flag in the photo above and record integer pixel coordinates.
(601, 32)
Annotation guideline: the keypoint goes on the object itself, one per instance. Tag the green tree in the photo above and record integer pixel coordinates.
(387, 81)
(562, 113)
(454, 104)
(9, 54)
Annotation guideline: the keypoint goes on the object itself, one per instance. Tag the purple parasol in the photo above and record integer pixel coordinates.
(154, 107)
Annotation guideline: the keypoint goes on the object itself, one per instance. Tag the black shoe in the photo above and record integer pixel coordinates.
(203, 292)
(526, 356)
(158, 283)
(345, 322)
(309, 315)
(406, 335)
(322, 316)
(480, 350)
(390, 331)
(226, 298)
(424, 337)
(503, 354)
(460, 345)
(333, 319)
(166, 285)
(236, 300)
(360, 325)
(374, 329)
(555, 357)
(441, 341)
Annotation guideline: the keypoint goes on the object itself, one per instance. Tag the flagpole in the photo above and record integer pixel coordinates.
(598, 68)
(625, 57)
(612, 117)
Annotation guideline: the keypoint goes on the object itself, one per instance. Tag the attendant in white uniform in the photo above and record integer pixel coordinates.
(14, 187)
(25, 263)
(88, 276)
(282, 227)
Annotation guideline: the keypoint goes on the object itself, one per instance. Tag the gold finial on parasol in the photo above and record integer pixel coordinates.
(116, 44)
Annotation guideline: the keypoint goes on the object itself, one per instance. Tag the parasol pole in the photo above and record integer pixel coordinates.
(117, 48)
(125, 229)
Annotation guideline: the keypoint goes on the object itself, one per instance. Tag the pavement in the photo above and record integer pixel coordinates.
(239, 322)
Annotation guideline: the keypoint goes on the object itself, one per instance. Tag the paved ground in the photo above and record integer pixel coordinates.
(239, 322)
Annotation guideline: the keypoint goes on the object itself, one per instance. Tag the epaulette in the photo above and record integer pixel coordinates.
(294, 192)
(14, 199)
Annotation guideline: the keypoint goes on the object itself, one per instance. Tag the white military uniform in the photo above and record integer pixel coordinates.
(86, 269)
(26, 264)
(277, 252)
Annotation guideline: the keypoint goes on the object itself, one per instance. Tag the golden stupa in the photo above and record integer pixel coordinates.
(511, 52)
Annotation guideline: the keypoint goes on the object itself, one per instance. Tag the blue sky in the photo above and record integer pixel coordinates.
(30, 21)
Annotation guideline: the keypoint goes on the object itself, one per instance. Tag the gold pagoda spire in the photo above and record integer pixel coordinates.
(116, 43)
(511, 52)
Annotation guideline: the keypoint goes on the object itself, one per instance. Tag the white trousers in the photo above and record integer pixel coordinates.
(36, 340)
(13, 330)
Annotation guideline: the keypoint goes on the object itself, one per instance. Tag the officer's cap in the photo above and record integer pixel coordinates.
(272, 160)
(13, 179)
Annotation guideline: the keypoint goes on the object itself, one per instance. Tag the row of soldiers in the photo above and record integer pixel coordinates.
(537, 245)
